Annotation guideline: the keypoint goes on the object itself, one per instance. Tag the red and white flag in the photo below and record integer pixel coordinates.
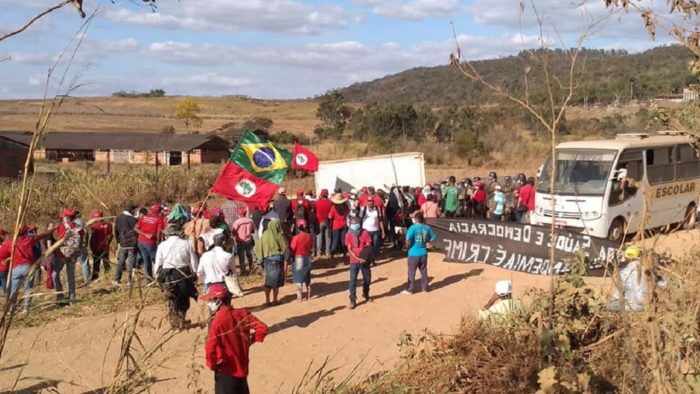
(304, 159)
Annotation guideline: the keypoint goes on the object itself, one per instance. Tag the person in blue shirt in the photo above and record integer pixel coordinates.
(499, 199)
(418, 240)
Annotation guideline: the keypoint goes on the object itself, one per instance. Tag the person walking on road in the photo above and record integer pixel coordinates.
(270, 251)
(418, 241)
(227, 348)
(359, 246)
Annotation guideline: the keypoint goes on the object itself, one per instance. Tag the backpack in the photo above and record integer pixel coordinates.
(72, 242)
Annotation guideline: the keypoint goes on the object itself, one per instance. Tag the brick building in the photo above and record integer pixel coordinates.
(130, 148)
(13, 153)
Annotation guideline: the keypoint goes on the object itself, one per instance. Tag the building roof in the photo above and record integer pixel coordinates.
(69, 140)
(15, 141)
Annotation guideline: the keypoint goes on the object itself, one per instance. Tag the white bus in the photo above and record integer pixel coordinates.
(600, 185)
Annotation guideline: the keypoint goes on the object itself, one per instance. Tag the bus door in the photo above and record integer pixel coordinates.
(626, 199)
(661, 171)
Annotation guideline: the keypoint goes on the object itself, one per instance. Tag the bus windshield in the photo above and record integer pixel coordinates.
(578, 172)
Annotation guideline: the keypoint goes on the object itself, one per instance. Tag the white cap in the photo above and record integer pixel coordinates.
(353, 191)
(498, 187)
(503, 288)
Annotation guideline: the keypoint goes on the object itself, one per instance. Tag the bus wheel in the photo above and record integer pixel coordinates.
(617, 230)
(691, 217)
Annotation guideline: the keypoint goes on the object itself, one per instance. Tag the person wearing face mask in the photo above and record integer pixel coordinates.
(418, 240)
(231, 333)
(359, 245)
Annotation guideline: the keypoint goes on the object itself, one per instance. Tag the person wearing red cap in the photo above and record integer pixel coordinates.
(244, 228)
(5, 253)
(301, 208)
(301, 247)
(323, 209)
(149, 228)
(100, 239)
(73, 239)
(22, 261)
(227, 348)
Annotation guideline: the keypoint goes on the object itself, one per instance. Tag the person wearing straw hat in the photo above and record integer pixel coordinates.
(338, 217)
(100, 239)
(501, 305)
(175, 269)
(227, 348)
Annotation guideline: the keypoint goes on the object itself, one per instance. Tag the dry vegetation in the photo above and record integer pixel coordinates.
(588, 350)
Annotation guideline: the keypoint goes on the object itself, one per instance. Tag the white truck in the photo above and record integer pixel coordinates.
(403, 169)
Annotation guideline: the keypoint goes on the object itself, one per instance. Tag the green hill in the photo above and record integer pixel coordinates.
(605, 76)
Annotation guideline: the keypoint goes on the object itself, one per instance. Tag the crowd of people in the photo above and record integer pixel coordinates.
(184, 248)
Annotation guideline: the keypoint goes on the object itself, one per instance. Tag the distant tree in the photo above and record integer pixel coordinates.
(188, 111)
(258, 123)
(168, 129)
(334, 113)
(467, 145)
(156, 93)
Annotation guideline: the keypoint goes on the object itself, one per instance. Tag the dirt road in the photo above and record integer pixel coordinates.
(72, 350)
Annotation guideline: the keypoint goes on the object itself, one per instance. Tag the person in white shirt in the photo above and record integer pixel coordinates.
(216, 263)
(373, 223)
(175, 268)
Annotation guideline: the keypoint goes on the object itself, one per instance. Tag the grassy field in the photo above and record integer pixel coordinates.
(152, 114)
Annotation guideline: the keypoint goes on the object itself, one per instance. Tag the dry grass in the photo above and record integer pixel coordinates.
(151, 114)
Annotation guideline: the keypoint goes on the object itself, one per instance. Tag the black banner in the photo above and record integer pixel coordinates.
(518, 247)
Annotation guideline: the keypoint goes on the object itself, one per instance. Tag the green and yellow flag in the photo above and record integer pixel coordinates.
(261, 158)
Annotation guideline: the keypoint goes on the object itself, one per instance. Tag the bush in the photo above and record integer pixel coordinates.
(168, 129)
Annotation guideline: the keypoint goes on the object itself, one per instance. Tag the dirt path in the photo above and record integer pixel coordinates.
(72, 350)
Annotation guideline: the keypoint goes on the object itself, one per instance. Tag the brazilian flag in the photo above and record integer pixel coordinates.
(261, 158)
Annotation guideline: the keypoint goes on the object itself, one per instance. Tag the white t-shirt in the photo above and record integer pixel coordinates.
(371, 220)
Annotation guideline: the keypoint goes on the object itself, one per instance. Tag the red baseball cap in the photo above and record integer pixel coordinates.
(67, 212)
(324, 193)
(241, 211)
(300, 193)
(23, 229)
(156, 208)
(97, 214)
(33, 227)
(216, 290)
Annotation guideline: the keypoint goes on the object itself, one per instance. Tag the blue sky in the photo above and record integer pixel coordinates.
(284, 48)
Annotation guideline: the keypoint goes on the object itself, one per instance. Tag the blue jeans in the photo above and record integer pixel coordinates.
(3, 282)
(124, 255)
(58, 265)
(85, 264)
(366, 280)
(376, 242)
(338, 244)
(148, 254)
(18, 273)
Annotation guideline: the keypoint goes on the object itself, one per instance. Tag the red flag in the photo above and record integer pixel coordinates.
(304, 159)
(239, 185)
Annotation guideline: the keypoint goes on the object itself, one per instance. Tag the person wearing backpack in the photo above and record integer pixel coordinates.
(301, 208)
(126, 236)
(67, 255)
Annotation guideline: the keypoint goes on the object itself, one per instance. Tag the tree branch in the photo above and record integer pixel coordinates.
(36, 18)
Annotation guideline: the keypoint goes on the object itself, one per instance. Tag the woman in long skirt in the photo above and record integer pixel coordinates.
(270, 250)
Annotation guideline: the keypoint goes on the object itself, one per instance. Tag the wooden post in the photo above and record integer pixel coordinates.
(109, 161)
(156, 162)
(188, 161)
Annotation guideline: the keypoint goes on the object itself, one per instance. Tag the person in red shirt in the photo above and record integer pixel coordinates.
(301, 247)
(526, 201)
(5, 253)
(100, 239)
(323, 209)
(479, 199)
(358, 243)
(372, 193)
(22, 261)
(305, 205)
(231, 333)
(338, 217)
(149, 228)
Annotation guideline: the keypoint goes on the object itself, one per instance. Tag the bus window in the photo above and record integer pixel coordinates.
(661, 165)
(625, 187)
(688, 166)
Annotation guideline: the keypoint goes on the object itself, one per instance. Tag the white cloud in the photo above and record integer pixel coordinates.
(206, 80)
(28, 58)
(415, 9)
(263, 15)
(125, 45)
